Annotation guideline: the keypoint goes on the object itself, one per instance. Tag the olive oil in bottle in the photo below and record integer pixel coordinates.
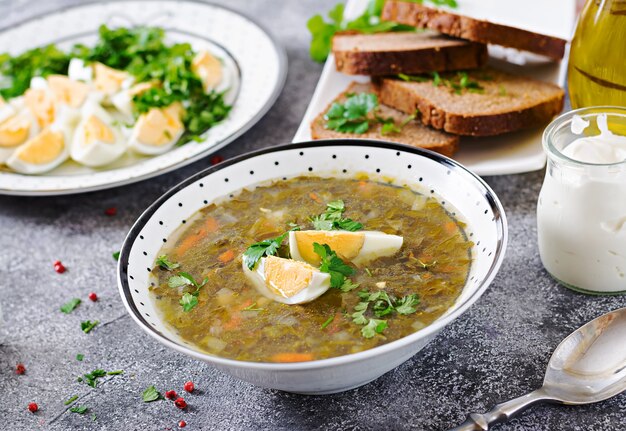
(597, 63)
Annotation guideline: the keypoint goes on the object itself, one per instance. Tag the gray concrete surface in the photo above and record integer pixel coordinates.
(496, 351)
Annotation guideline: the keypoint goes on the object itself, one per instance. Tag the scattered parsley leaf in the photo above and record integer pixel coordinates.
(164, 263)
(79, 409)
(333, 265)
(188, 302)
(427, 265)
(115, 372)
(71, 400)
(91, 378)
(348, 285)
(331, 219)
(368, 272)
(116, 255)
(93, 417)
(267, 247)
(151, 394)
(407, 304)
(413, 78)
(80, 356)
(373, 327)
(351, 116)
(88, 325)
(359, 311)
(69, 306)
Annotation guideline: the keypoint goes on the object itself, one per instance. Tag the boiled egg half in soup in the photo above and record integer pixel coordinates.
(287, 281)
(358, 248)
(97, 141)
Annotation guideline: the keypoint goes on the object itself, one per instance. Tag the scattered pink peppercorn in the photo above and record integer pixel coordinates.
(189, 386)
(110, 211)
(93, 296)
(182, 424)
(33, 407)
(59, 267)
(171, 395)
(216, 159)
(180, 403)
(20, 369)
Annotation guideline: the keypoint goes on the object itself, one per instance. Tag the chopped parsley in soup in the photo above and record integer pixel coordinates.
(310, 268)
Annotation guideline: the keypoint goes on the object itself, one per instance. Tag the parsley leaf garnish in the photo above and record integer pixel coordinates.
(251, 307)
(188, 302)
(457, 82)
(91, 378)
(348, 285)
(71, 400)
(69, 306)
(116, 255)
(80, 356)
(373, 327)
(88, 325)
(79, 409)
(327, 322)
(267, 247)
(151, 394)
(164, 263)
(382, 304)
(351, 116)
(332, 219)
(333, 265)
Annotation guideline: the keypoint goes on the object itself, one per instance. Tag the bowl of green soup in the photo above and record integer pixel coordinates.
(313, 267)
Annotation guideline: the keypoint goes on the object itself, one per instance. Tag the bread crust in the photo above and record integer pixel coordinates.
(355, 55)
(476, 30)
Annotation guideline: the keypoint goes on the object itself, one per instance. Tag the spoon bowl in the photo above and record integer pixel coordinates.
(586, 367)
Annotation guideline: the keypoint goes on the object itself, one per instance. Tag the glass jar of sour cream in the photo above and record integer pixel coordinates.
(581, 213)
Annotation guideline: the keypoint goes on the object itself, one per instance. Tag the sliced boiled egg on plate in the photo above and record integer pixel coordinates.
(287, 281)
(157, 130)
(42, 153)
(40, 103)
(358, 248)
(67, 91)
(123, 100)
(107, 80)
(97, 141)
(13, 133)
(6, 110)
(208, 68)
(78, 70)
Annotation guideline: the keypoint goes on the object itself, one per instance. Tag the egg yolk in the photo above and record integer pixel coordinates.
(42, 149)
(208, 68)
(65, 90)
(159, 126)
(41, 104)
(287, 277)
(107, 79)
(94, 129)
(347, 245)
(14, 131)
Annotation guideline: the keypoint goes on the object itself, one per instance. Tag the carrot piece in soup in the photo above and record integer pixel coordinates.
(210, 225)
(450, 227)
(227, 256)
(315, 197)
(234, 322)
(291, 357)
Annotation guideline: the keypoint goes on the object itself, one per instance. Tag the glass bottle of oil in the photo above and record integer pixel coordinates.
(597, 63)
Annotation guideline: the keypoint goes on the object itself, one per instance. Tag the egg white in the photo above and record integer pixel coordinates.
(96, 153)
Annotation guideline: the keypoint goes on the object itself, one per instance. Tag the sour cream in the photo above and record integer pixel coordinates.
(581, 213)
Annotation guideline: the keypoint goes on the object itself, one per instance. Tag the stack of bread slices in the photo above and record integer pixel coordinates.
(434, 84)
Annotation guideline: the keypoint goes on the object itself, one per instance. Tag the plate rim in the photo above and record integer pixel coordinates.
(494, 203)
(276, 92)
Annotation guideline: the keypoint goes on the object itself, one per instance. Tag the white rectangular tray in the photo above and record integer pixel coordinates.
(506, 154)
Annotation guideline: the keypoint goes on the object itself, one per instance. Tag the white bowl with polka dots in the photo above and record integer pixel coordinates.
(257, 61)
(461, 192)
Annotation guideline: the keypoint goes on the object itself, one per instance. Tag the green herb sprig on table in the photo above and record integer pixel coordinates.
(369, 21)
(69, 306)
(332, 218)
(382, 304)
(87, 325)
(91, 379)
(151, 394)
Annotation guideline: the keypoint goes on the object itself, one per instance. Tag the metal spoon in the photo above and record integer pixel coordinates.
(587, 367)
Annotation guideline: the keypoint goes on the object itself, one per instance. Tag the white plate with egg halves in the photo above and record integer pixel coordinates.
(256, 63)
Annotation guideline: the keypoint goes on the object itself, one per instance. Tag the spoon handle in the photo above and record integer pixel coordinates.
(501, 412)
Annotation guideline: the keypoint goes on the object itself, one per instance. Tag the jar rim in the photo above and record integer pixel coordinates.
(565, 119)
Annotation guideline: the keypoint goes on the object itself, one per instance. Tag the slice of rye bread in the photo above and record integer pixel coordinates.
(413, 133)
(504, 104)
(405, 52)
(456, 25)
